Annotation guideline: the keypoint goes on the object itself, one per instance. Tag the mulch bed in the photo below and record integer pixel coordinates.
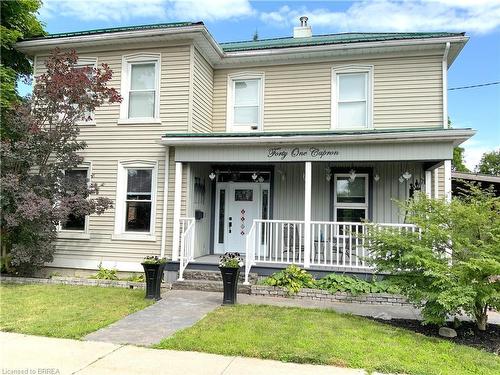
(467, 333)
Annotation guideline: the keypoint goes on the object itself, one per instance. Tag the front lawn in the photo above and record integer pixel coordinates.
(325, 337)
(64, 310)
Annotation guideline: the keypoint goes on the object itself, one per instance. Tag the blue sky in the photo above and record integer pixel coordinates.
(230, 20)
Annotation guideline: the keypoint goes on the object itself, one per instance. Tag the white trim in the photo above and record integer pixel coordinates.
(121, 187)
(355, 206)
(127, 62)
(444, 65)
(165, 203)
(231, 79)
(138, 121)
(177, 210)
(307, 212)
(85, 233)
(428, 183)
(346, 69)
(447, 180)
(94, 264)
(456, 136)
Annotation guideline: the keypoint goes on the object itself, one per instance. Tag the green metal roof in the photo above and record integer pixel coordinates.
(119, 29)
(328, 39)
(285, 42)
(304, 133)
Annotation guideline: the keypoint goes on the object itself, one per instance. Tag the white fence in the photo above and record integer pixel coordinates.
(186, 246)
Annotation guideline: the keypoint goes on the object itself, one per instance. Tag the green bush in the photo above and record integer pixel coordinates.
(341, 283)
(105, 274)
(291, 278)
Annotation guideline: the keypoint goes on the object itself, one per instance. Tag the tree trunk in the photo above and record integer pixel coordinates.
(482, 318)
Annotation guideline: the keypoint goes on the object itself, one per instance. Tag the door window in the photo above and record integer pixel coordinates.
(351, 198)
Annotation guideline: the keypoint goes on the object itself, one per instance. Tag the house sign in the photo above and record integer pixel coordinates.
(300, 153)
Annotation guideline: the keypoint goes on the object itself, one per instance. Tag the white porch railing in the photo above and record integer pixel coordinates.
(186, 246)
(332, 244)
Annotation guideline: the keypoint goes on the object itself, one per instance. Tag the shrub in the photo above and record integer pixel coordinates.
(105, 274)
(353, 285)
(291, 278)
(452, 266)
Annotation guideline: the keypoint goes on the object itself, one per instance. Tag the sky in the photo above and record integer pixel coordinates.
(230, 20)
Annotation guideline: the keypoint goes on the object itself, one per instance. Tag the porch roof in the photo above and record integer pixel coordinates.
(456, 136)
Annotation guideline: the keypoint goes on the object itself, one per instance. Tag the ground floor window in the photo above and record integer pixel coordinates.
(350, 197)
(76, 223)
(136, 198)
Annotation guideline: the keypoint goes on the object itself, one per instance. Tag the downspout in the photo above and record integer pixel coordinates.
(444, 64)
(165, 204)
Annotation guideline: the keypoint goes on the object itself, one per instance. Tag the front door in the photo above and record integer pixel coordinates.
(238, 205)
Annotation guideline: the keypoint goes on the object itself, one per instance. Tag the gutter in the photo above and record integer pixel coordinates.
(457, 136)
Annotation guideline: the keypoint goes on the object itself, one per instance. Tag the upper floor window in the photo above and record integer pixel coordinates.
(245, 102)
(91, 63)
(352, 97)
(140, 87)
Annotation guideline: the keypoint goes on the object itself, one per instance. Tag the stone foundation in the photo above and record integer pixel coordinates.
(323, 295)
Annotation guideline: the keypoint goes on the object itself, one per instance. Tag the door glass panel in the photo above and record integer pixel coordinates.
(351, 214)
(265, 214)
(351, 191)
(222, 205)
(243, 195)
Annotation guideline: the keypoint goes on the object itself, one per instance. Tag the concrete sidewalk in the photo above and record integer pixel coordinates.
(23, 354)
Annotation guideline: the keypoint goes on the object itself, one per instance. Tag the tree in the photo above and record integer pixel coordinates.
(490, 163)
(40, 142)
(457, 163)
(255, 35)
(453, 264)
(18, 21)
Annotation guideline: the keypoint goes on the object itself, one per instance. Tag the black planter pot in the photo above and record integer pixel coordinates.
(154, 274)
(230, 282)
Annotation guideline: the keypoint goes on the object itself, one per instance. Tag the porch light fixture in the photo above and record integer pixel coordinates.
(352, 175)
(261, 179)
(407, 175)
(401, 179)
(254, 176)
(328, 174)
(212, 175)
(376, 177)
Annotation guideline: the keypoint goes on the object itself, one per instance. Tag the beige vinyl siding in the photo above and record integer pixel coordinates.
(407, 93)
(203, 84)
(108, 143)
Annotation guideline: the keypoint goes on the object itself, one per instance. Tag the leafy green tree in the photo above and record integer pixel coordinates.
(452, 264)
(457, 163)
(19, 20)
(490, 163)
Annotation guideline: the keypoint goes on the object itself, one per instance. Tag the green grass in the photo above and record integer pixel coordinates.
(64, 310)
(325, 337)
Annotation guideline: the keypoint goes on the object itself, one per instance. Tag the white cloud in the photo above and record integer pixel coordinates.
(166, 10)
(479, 16)
(474, 150)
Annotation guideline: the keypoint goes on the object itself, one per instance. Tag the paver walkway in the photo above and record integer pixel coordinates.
(177, 310)
(43, 355)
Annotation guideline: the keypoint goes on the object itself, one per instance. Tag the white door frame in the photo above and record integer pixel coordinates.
(228, 186)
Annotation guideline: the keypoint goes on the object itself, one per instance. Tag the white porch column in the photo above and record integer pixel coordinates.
(165, 205)
(177, 210)
(428, 183)
(436, 183)
(307, 213)
(447, 180)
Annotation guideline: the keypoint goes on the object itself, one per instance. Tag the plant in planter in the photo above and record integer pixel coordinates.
(229, 265)
(153, 269)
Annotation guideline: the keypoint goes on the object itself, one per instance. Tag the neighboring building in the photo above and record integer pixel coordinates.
(275, 148)
(460, 180)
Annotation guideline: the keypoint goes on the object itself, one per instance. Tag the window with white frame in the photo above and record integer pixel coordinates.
(87, 62)
(136, 199)
(245, 102)
(350, 197)
(140, 87)
(352, 97)
(74, 222)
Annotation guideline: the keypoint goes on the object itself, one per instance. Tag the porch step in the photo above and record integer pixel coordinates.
(192, 274)
(207, 286)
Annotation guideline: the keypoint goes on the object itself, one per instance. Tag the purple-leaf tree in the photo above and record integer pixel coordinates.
(39, 144)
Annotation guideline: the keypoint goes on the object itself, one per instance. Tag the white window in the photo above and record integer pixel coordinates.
(350, 197)
(245, 102)
(140, 88)
(87, 62)
(136, 200)
(352, 97)
(76, 226)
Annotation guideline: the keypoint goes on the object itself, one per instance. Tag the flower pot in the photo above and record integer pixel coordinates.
(230, 282)
(154, 274)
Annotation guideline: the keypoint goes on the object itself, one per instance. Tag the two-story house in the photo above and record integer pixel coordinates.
(279, 149)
